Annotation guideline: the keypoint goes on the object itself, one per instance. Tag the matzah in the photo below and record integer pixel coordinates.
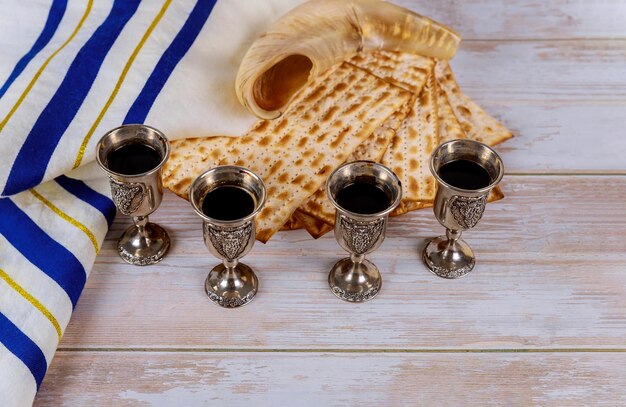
(408, 71)
(410, 150)
(373, 148)
(476, 123)
(296, 152)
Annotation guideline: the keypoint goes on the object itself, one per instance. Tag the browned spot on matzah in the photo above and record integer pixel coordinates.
(465, 112)
(281, 125)
(314, 95)
(310, 187)
(314, 205)
(265, 141)
(285, 139)
(322, 137)
(325, 170)
(303, 141)
(299, 178)
(340, 137)
(275, 168)
(329, 114)
(352, 109)
(261, 126)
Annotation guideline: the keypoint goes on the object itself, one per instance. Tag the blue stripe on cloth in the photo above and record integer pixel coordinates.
(23, 348)
(40, 249)
(57, 10)
(83, 192)
(168, 61)
(30, 164)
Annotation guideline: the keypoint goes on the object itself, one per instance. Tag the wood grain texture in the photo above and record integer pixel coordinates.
(331, 379)
(560, 72)
(550, 273)
(565, 101)
(541, 321)
(526, 19)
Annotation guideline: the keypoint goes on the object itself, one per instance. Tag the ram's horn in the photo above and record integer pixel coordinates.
(320, 33)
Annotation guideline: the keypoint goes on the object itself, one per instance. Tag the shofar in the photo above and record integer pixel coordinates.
(320, 33)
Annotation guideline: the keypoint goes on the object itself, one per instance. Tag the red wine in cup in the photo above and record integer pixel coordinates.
(465, 174)
(228, 202)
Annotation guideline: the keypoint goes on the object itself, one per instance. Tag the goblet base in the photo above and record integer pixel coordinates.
(231, 288)
(448, 259)
(355, 282)
(146, 249)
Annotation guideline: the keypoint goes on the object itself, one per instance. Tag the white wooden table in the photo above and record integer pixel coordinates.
(541, 320)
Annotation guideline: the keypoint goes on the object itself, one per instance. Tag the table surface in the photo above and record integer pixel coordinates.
(541, 320)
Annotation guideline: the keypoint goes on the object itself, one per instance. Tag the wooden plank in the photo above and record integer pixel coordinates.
(495, 19)
(556, 97)
(331, 379)
(550, 274)
(543, 71)
(554, 138)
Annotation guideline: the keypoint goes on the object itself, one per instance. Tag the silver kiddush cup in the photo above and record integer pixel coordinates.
(358, 229)
(230, 284)
(459, 202)
(132, 156)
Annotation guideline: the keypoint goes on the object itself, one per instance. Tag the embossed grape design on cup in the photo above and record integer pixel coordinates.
(361, 228)
(133, 156)
(465, 171)
(230, 284)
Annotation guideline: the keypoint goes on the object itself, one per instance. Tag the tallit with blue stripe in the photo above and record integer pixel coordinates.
(69, 71)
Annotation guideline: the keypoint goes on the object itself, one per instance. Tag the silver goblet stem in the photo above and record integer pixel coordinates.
(357, 258)
(141, 222)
